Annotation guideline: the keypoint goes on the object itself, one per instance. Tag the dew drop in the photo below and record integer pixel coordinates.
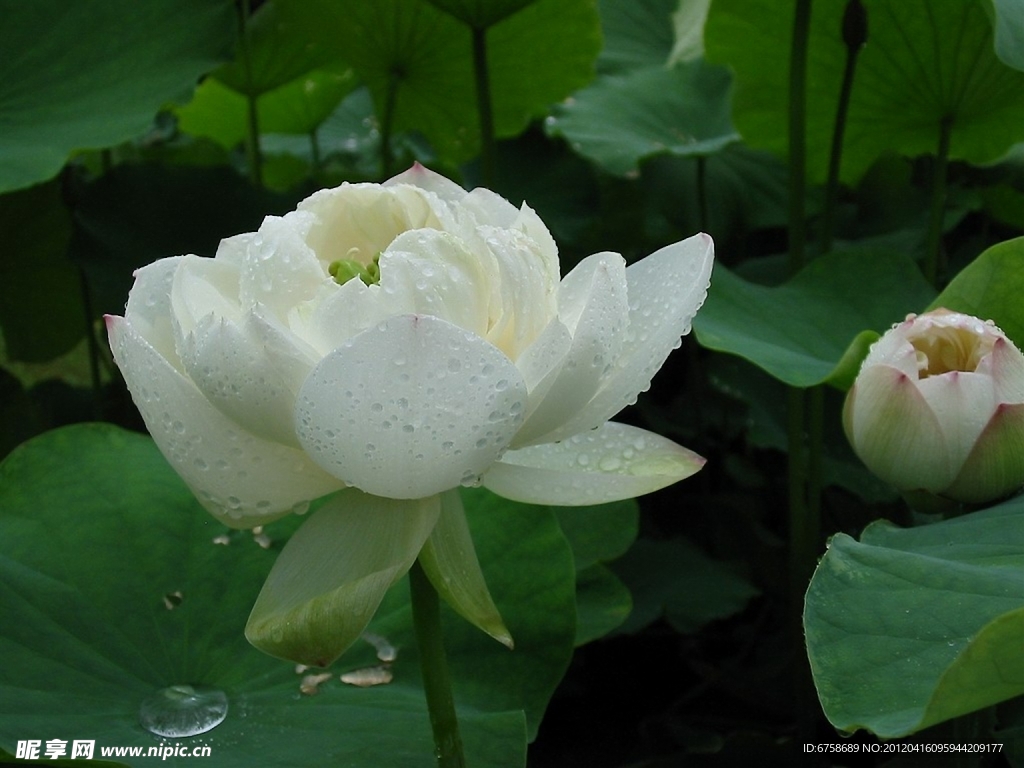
(178, 427)
(609, 464)
(183, 710)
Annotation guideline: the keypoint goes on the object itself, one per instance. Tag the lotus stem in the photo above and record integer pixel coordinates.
(484, 106)
(938, 203)
(252, 144)
(426, 615)
(387, 122)
(854, 35)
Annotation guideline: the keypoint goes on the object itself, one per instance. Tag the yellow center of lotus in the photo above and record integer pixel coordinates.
(942, 350)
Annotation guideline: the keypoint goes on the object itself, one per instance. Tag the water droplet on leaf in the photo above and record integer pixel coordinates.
(183, 710)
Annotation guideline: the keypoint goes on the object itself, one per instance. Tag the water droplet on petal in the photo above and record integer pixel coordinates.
(183, 710)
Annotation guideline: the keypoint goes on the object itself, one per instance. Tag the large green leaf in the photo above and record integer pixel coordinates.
(619, 121)
(116, 585)
(817, 326)
(991, 287)
(420, 57)
(910, 627)
(91, 75)
(41, 310)
(925, 62)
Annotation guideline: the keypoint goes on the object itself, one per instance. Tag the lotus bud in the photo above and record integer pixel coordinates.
(937, 409)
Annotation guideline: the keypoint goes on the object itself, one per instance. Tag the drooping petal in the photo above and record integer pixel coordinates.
(449, 560)
(592, 304)
(410, 408)
(240, 478)
(995, 466)
(894, 431)
(332, 574)
(665, 291)
(613, 462)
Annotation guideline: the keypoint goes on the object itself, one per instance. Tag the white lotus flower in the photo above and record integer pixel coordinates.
(938, 408)
(398, 341)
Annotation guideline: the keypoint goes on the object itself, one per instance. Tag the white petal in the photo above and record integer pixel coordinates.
(611, 463)
(281, 270)
(358, 221)
(592, 304)
(665, 291)
(412, 407)
(424, 178)
(149, 305)
(204, 288)
(229, 363)
(525, 286)
(541, 362)
(240, 478)
(429, 272)
(963, 403)
(332, 574)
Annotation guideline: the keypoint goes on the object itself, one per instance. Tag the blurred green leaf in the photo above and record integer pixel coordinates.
(910, 627)
(137, 214)
(924, 63)
(991, 287)
(296, 107)
(1009, 33)
(637, 34)
(599, 535)
(619, 121)
(800, 332)
(117, 584)
(420, 58)
(480, 14)
(90, 75)
(41, 311)
(677, 580)
(278, 53)
(603, 602)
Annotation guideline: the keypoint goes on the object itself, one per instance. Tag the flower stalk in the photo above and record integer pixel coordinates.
(483, 104)
(426, 614)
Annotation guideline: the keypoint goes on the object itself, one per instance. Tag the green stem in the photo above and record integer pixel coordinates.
(854, 42)
(801, 529)
(387, 122)
(426, 615)
(252, 144)
(483, 106)
(702, 191)
(938, 202)
(93, 346)
(797, 133)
